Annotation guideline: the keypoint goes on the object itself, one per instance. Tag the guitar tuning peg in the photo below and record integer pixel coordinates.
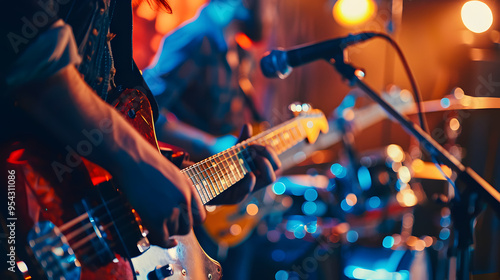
(295, 108)
(298, 108)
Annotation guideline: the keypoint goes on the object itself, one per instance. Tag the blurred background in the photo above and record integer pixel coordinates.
(367, 204)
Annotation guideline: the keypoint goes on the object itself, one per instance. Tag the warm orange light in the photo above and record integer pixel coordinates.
(252, 209)
(243, 41)
(351, 199)
(145, 11)
(477, 16)
(353, 12)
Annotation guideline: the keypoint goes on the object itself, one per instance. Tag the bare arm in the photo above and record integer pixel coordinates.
(67, 107)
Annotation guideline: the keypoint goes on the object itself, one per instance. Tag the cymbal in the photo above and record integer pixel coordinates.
(450, 103)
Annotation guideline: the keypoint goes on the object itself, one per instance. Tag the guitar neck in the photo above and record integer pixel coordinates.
(217, 173)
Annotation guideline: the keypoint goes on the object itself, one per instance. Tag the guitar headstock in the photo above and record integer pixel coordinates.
(313, 121)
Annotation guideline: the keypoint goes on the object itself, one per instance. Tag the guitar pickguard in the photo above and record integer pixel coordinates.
(186, 261)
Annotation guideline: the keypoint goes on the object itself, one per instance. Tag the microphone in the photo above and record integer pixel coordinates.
(279, 63)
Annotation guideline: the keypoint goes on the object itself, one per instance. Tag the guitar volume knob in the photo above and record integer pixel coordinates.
(161, 273)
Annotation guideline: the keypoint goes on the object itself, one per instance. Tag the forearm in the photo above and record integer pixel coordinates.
(67, 107)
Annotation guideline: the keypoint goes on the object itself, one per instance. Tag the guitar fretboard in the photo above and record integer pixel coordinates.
(217, 173)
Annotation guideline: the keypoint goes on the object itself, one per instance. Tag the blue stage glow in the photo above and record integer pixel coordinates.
(364, 178)
(309, 208)
(352, 236)
(445, 102)
(338, 170)
(300, 232)
(444, 233)
(281, 275)
(278, 255)
(374, 202)
(346, 207)
(310, 194)
(279, 188)
(321, 208)
(293, 224)
(388, 242)
(312, 227)
(445, 221)
(356, 272)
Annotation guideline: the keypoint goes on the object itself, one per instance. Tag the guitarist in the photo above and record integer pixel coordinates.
(62, 63)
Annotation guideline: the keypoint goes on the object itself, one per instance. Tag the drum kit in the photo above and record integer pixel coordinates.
(380, 214)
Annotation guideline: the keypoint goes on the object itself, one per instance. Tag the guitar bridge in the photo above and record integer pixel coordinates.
(53, 252)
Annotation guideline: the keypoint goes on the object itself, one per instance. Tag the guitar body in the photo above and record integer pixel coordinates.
(187, 260)
(79, 226)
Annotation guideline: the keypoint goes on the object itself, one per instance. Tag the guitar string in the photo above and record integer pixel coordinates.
(254, 139)
(279, 143)
(74, 221)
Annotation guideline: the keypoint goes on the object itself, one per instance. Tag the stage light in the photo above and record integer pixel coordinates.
(374, 202)
(395, 152)
(388, 242)
(310, 194)
(364, 178)
(352, 236)
(279, 188)
(309, 208)
(444, 233)
(477, 16)
(445, 102)
(252, 209)
(353, 12)
(338, 170)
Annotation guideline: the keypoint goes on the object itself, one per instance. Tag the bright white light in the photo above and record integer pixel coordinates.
(477, 16)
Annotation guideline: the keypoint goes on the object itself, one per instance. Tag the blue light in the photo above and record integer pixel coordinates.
(356, 272)
(338, 170)
(278, 255)
(292, 224)
(310, 194)
(309, 208)
(445, 102)
(321, 208)
(281, 275)
(388, 242)
(346, 207)
(279, 188)
(364, 178)
(312, 227)
(398, 185)
(374, 202)
(445, 221)
(352, 236)
(300, 232)
(444, 234)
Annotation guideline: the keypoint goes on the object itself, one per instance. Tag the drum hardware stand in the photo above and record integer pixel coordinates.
(462, 203)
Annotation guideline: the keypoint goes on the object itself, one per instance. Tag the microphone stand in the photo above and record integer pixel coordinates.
(463, 203)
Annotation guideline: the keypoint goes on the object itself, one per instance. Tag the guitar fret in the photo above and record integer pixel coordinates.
(216, 174)
(217, 191)
(224, 172)
(202, 181)
(197, 183)
(210, 174)
(206, 177)
(236, 164)
(231, 167)
(214, 165)
(246, 159)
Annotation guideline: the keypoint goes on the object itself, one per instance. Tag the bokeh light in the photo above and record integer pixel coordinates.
(477, 16)
(353, 12)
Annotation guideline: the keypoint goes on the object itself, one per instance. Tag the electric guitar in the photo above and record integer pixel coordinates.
(93, 233)
(222, 218)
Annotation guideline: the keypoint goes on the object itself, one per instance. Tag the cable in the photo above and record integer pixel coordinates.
(416, 92)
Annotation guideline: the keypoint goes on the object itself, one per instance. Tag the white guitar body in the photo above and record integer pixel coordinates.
(185, 261)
